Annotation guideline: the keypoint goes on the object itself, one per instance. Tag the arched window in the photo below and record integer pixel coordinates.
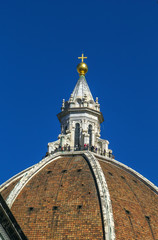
(78, 102)
(77, 135)
(65, 130)
(90, 135)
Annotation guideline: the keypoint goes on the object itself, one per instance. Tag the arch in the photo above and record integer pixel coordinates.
(78, 102)
(65, 129)
(90, 135)
(90, 103)
(77, 135)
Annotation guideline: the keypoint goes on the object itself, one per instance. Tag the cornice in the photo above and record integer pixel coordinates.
(81, 110)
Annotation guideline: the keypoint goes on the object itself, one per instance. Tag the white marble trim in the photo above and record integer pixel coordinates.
(109, 228)
(148, 183)
(27, 177)
(14, 178)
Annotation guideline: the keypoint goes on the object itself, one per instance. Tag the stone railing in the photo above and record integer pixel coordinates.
(85, 148)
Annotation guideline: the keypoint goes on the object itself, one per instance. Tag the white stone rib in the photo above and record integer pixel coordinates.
(148, 183)
(14, 178)
(27, 177)
(109, 228)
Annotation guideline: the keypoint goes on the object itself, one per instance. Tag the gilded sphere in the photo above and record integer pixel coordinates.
(82, 68)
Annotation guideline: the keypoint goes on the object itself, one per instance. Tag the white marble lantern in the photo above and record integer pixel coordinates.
(80, 119)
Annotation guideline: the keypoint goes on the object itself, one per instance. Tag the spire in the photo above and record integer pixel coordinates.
(81, 89)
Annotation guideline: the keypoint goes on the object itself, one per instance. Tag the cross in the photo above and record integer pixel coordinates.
(82, 57)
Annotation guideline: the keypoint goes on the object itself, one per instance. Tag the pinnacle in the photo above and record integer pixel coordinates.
(82, 89)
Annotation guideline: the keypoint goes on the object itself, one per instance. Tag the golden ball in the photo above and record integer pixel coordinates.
(82, 68)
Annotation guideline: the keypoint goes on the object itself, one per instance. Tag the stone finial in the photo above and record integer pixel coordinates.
(97, 106)
(63, 105)
(71, 98)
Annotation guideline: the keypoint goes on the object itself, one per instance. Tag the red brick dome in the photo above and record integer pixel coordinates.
(63, 197)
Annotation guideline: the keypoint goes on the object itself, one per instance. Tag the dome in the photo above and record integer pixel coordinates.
(78, 190)
(82, 195)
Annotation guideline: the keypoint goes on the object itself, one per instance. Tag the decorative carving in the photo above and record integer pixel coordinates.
(80, 109)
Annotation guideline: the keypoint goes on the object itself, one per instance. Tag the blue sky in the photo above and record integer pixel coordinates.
(39, 45)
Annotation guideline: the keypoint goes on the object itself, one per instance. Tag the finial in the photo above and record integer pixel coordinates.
(82, 67)
(63, 105)
(71, 98)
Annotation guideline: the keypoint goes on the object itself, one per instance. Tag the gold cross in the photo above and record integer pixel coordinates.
(82, 57)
